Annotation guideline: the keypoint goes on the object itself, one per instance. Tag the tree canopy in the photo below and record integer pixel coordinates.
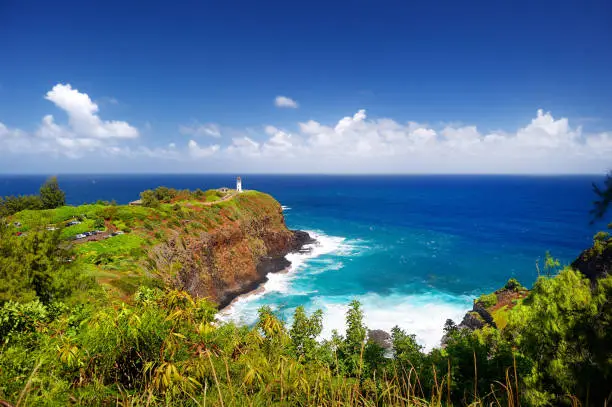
(51, 195)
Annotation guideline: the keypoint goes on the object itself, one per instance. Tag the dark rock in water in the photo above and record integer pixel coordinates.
(300, 239)
(381, 338)
(593, 263)
(272, 265)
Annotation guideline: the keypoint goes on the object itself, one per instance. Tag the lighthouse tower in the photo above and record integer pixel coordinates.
(238, 184)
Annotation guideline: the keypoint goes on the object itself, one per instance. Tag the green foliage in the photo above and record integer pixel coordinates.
(407, 352)
(513, 285)
(18, 318)
(51, 195)
(35, 265)
(601, 241)
(487, 300)
(149, 199)
(304, 332)
(562, 327)
(356, 330)
(13, 204)
(62, 342)
(98, 224)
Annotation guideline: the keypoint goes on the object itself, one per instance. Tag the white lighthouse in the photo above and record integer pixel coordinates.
(238, 184)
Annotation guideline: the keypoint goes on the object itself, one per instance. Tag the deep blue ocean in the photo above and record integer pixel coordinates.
(414, 250)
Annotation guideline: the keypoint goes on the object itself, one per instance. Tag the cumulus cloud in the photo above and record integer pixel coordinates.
(85, 131)
(284, 101)
(358, 144)
(82, 115)
(352, 144)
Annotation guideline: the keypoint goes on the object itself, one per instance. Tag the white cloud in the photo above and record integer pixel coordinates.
(355, 143)
(284, 101)
(196, 129)
(86, 131)
(244, 146)
(199, 152)
(82, 115)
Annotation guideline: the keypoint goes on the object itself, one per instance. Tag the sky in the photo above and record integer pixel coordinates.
(306, 87)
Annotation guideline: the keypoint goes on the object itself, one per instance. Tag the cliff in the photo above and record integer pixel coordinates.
(215, 245)
(232, 257)
(596, 262)
(491, 309)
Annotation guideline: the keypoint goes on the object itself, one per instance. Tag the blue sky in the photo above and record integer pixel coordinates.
(445, 86)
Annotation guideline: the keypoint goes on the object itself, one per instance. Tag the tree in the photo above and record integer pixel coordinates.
(450, 327)
(149, 199)
(304, 332)
(355, 329)
(604, 195)
(35, 265)
(564, 328)
(51, 195)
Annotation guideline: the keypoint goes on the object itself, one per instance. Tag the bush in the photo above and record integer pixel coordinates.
(149, 199)
(98, 224)
(487, 300)
(513, 285)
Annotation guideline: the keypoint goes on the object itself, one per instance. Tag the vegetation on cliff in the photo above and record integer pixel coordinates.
(198, 241)
(70, 336)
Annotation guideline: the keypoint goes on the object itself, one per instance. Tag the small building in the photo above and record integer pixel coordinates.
(224, 190)
(238, 184)
(136, 202)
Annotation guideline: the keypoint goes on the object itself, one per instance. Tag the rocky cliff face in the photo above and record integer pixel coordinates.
(595, 262)
(233, 256)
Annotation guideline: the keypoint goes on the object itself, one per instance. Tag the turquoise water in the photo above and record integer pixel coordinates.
(414, 250)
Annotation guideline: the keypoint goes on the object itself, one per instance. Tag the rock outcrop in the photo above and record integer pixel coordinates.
(595, 262)
(381, 338)
(248, 240)
(477, 318)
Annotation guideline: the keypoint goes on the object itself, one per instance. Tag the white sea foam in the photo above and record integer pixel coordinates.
(420, 314)
(285, 208)
(241, 311)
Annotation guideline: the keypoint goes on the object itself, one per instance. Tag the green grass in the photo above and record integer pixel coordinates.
(85, 226)
(487, 300)
(117, 261)
(500, 317)
(212, 195)
(116, 245)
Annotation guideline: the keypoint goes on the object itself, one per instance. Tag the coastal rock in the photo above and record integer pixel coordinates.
(594, 263)
(381, 338)
(234, 256)
(472, 321)
(478, 317)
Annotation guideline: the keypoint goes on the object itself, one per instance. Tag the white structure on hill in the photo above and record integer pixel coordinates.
(238, 184)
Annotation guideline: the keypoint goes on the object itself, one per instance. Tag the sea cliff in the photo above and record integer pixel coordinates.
(212, 244)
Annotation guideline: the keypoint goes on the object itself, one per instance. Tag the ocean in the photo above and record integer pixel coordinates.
(414, 250)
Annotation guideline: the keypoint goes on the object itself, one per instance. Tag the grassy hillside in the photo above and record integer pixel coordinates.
(117, 261)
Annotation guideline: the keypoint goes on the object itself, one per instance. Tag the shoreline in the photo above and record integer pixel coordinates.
(267, 265)
(260, 289)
